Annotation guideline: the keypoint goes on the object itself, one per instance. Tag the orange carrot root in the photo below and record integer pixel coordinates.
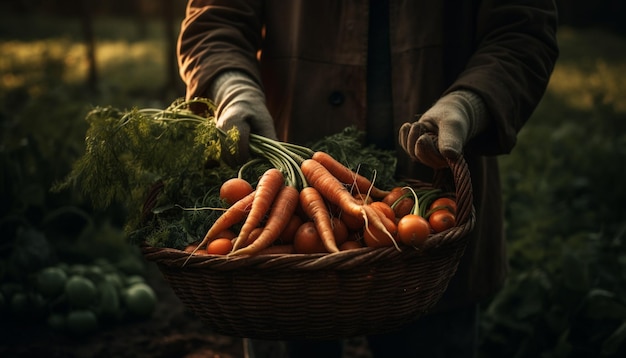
(270, 184)
(233, 215)
(280, 214)
(348, 176)
(314, 206)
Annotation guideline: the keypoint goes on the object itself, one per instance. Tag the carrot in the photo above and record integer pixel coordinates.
(270, 183)
(330, 187)
(315, 208)
(233, 215)
(281, 211)
(335, 192)
(375, 237)
(348, 176)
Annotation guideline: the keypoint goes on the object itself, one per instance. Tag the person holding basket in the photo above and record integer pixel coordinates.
(470, 72)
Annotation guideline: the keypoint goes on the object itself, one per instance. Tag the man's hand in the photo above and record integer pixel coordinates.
(455, 119)
(241, 104)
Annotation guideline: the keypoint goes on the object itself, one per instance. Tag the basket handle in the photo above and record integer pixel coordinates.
(465, 214)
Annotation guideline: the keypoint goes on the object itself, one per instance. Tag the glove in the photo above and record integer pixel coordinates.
(455, 119)
(241, 104)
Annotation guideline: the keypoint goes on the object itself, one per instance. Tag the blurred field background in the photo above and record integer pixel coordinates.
(564, 182)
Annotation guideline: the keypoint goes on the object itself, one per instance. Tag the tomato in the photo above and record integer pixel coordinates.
(441, 220)
(220, 246)
(444, 202)
(307, 240)
(413, 230)
(234, 189)
(394, 194)
(403, 207)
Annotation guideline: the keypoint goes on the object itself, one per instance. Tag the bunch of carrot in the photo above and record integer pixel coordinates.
(308, 202)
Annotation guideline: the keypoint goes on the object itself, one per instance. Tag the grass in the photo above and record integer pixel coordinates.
(564, 195)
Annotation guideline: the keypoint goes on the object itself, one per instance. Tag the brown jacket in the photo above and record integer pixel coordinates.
(313, 70)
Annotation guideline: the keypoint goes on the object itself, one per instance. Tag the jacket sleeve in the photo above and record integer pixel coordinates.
(515, 54)
(218, 35)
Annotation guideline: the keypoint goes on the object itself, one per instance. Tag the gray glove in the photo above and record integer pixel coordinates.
(455, 119)
(241, 104)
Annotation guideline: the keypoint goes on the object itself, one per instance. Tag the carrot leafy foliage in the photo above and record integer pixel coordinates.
(165, 166)
(158, 163)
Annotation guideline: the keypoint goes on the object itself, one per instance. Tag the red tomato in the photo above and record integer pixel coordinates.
(441, 220)
(444, 202)
(307, 240)
(221, 246)
(413, 230)
(235, 189)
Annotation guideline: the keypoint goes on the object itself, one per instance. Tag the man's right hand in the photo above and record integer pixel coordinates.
(241, 104)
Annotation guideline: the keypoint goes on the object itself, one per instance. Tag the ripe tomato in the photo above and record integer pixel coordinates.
(307, 240)
(221, 246)
(441, 220)
(444, 202)
(413, 230)
(234, 189)
(394, 194)
(403, 206)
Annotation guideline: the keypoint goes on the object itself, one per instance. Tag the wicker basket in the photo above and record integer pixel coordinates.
(320, 296)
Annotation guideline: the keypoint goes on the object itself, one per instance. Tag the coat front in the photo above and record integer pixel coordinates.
(310, 57)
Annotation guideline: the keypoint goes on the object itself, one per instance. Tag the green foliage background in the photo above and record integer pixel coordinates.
(563, 183)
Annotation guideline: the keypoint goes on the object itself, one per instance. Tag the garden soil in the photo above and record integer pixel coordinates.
(172, 331)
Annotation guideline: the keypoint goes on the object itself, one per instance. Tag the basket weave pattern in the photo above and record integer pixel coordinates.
(320, 296)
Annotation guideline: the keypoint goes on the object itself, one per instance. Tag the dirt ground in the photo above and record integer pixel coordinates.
(171, 332)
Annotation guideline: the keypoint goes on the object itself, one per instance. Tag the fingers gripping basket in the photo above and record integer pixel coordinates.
(320, 296)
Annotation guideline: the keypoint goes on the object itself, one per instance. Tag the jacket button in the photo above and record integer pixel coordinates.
(336, 98)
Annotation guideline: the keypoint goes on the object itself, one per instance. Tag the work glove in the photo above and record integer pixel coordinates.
(241, 103)
(455, 119)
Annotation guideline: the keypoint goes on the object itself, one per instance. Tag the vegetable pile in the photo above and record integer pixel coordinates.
(167, 166)
(79, 299)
